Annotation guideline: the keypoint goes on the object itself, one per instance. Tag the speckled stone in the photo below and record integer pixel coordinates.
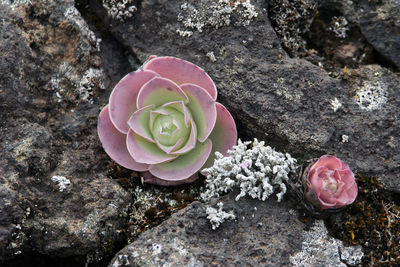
(45, 134)
(263, 234)
(288, 102)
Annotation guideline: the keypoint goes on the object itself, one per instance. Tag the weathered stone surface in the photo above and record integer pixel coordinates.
(378, 21)
(318, 249)
(263, 234)
(290, 103)
(55, 196)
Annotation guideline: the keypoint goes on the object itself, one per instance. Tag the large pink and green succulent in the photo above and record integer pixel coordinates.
(163, 120)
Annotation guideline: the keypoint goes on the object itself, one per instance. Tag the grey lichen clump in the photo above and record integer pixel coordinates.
(84, 83)
(291, 20)
(257, 171)
(372, 95)
(334, 253)
(339, 26)
(119, 9)
(62, 182)
(216, 14)
(218, 216)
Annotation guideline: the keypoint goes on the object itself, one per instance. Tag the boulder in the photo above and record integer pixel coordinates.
(292, 104)
(56, 198)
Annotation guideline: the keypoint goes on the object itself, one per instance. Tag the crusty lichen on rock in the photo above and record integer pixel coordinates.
(253, 168)
(218, 216)
(334, 253)
(203, 13)
(291, 20)
(258, 171)
(119, 9)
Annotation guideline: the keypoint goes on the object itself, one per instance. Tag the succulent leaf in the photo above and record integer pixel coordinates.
(329, 183)
(203, 109)
(182, 71)
(151, 179)
(167, 128)
(124, 95)
(145, 152)
(190, 144)
(180, 106)
(139, 123)
(164, 119)
(224, 134)
(114, 143)
(185, 165)
(159, 91)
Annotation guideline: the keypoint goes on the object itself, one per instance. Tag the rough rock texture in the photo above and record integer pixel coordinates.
(55, 198)
(332, 254)
(291, 103)
(187, 238)
(56, 74)
(263, 234)
(378, 21)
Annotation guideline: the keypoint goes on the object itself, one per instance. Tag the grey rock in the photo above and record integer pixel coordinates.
(287, 102)
(318, 249)
(292, 21)
(263, 234)
(51, 71)
(378, 21)
(53, 77)
(380, 24)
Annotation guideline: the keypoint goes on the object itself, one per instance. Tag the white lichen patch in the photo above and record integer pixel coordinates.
(184, 33)
(345, 138)
(372, 95)
(157, 248)
(335, 103)
(216, 14)
(145, 197)
(121, 260)
(73, 15)
(393, 142)
(62, 182)
(211, 56)
(22, 148)
(119, 9)
(339, 26)
(351, 255)
(282, 90)
(257, 170)
(319, 249)
(218, 216)
(91, 79)
(14, 3)
(68, 82)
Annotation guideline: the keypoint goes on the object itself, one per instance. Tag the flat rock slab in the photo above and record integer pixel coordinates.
(263, 234)
(290, 103)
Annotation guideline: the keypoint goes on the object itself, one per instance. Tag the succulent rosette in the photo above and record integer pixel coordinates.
(330, 184)
(163, 120)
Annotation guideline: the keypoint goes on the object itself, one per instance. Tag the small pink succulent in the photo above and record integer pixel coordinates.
(330, 184)
(163, 119)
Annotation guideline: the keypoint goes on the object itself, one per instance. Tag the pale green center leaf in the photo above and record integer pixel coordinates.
(169, 127)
